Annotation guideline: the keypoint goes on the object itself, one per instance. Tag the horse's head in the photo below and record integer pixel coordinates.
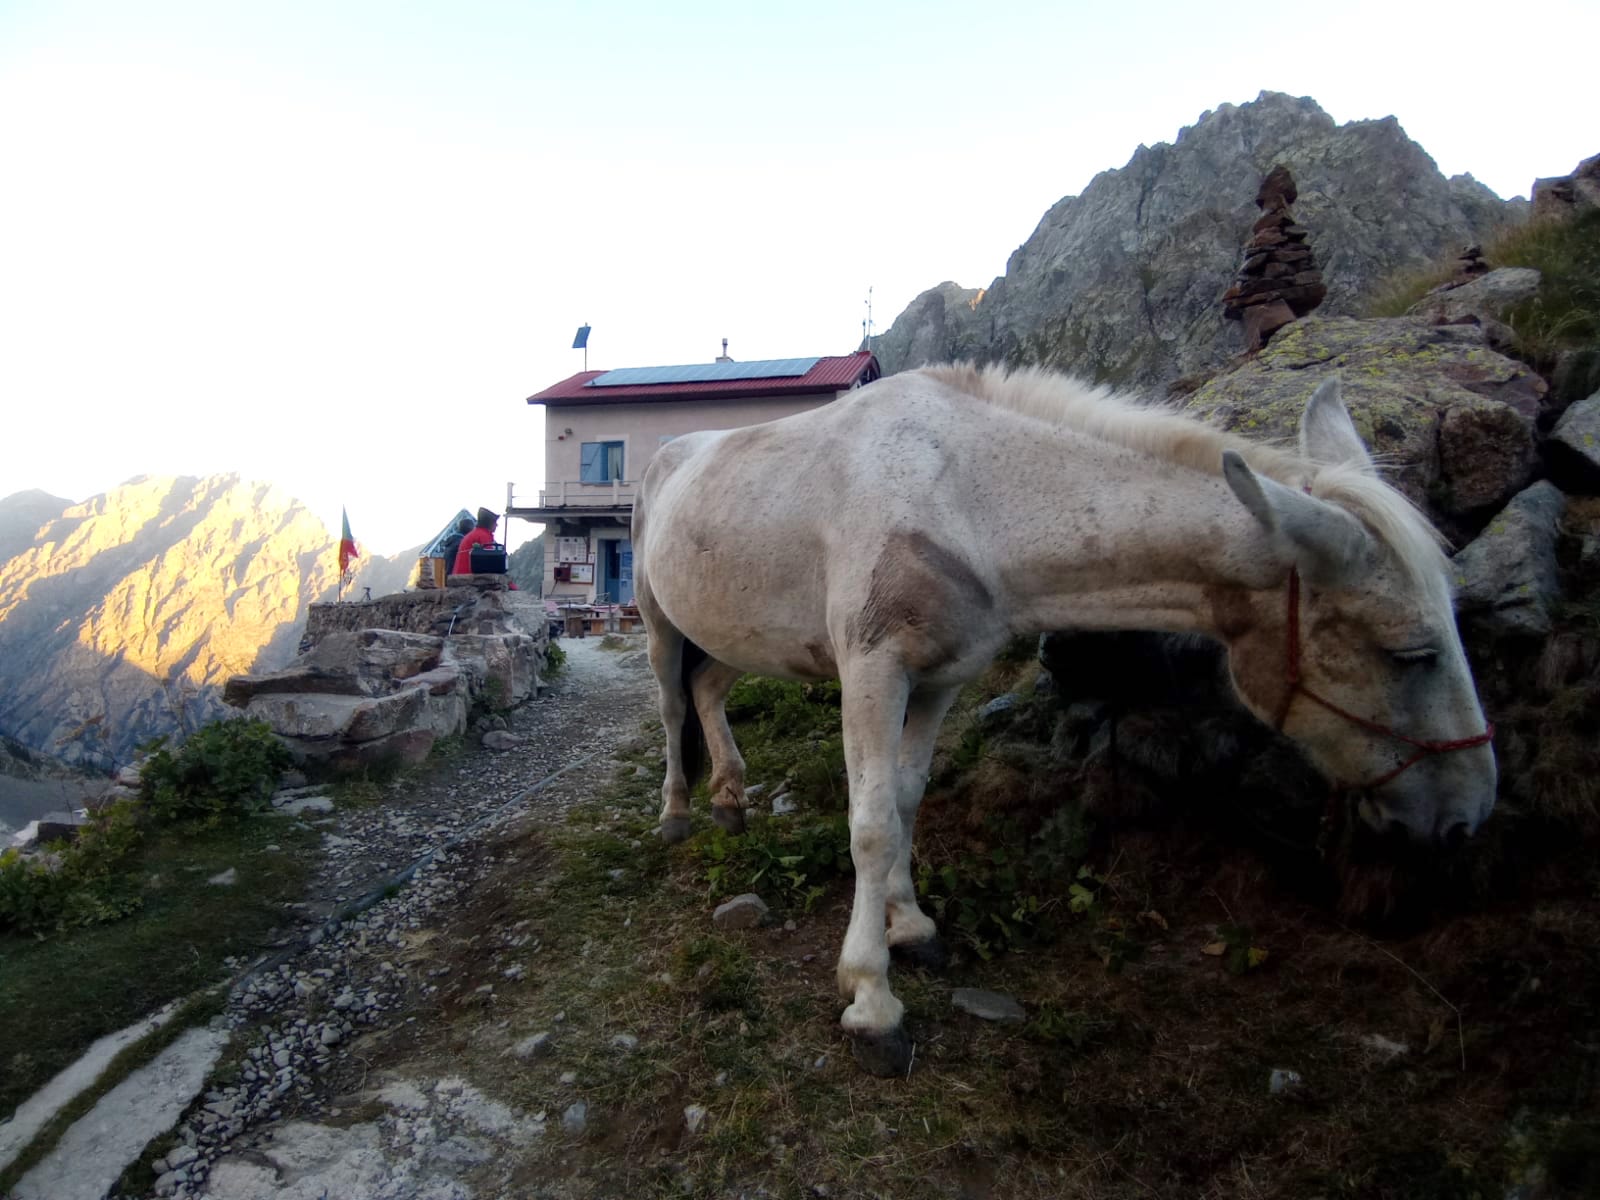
(1355, 655)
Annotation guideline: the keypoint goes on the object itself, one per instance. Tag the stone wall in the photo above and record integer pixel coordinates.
(378, 682)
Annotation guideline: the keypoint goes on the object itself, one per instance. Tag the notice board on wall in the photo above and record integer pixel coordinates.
(572, 549)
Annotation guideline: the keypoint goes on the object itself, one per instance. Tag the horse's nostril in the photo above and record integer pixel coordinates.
(1452, 836)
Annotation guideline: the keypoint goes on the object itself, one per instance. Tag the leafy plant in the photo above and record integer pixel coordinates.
(555, 660)
(789, 862)
(982, 899)
(226, 766)
(1236, 950)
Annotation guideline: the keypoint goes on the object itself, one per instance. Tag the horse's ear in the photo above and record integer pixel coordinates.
(1327, 434)
(1326, 542)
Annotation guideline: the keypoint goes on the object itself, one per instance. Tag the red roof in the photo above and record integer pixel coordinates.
(834, 374)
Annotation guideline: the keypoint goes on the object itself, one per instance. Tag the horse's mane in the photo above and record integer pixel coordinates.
(1166, 434)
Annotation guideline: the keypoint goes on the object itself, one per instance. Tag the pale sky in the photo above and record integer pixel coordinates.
(334, 245)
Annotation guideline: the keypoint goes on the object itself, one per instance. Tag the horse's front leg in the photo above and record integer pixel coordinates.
(711, 685)
(913, 936)
(874, 712)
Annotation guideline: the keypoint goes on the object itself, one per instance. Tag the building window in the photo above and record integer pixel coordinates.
(602, 462)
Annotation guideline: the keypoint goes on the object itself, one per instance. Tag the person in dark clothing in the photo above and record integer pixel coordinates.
(483, 535)
(448, 547)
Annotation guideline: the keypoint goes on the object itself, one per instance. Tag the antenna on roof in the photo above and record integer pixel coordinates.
(866, 324)
(581, 342)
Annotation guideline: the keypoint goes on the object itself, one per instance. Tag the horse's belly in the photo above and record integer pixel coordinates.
(779, 649)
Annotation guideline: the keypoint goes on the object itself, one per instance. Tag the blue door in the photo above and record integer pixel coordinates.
(624, 572)
(615, 580)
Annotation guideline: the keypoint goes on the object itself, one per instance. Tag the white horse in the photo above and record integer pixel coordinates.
(895, 539)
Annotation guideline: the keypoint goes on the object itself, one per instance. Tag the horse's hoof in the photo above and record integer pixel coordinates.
(728, 817)
(675, 830)
(930, 954)
(886, 1055)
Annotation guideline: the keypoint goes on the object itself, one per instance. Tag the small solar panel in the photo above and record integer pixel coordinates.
(771, 368)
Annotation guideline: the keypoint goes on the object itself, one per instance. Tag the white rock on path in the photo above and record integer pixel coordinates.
(742, 912)
(101, 1144)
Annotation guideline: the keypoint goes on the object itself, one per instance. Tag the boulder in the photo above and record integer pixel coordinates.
(316, 716)
(987, 1006)
(742, 912)
(1574, 446)
(59, 827)
(1484, 299)
(1453, 419)
(1507, 581)
(406, 748)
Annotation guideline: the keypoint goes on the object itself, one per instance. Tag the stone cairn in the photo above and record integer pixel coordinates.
(1279, 280)
(1470, 264)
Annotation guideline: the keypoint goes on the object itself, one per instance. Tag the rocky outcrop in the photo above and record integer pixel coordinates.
(379, 682)
(1568, 195)
(121, 617)
(1121, 283)
(1453, 420)
(941, 325)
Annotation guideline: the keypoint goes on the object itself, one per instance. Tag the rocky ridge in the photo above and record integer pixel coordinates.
(1122, 283)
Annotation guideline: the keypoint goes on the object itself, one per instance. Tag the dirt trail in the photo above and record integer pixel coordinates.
(350, 991)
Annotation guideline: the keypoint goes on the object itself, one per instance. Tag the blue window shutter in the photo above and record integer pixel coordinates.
(592, 468)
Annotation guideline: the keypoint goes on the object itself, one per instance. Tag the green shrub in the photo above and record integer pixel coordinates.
(555, 660)
(88, 882)
(225, 767)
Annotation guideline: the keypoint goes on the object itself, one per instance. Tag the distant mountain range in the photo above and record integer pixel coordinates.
(1124, 283)
(121, 617)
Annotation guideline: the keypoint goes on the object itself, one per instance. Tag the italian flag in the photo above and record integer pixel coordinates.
(347, 544)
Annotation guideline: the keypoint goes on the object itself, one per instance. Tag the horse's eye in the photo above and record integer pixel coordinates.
(1415, 656)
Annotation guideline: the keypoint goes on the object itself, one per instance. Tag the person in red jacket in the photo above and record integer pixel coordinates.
(483, 535)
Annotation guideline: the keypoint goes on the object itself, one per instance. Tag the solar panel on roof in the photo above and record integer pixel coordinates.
(716, 372)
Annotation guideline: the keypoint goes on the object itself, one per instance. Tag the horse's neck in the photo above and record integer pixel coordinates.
(1117, 541)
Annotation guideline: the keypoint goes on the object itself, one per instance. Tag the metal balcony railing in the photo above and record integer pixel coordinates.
(618, 493)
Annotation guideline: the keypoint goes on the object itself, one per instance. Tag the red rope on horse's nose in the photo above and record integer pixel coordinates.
(1297, 687)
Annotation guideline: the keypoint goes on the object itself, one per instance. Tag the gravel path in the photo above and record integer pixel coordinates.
(332, 979)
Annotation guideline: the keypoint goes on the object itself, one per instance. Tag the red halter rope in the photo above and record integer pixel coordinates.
(1297, 687)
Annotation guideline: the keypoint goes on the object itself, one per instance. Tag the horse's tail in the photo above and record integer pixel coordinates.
(692, 740)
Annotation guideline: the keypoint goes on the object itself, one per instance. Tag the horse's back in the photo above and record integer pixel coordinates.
(752, 539)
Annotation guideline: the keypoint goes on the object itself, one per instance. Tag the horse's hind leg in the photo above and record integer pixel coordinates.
(666, 662)
(710, 685)
(912, 935)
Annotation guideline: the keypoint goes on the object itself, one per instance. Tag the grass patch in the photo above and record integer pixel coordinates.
(791, 738)
(60, 994)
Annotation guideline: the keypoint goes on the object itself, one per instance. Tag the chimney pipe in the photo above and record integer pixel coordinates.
(723, 357)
